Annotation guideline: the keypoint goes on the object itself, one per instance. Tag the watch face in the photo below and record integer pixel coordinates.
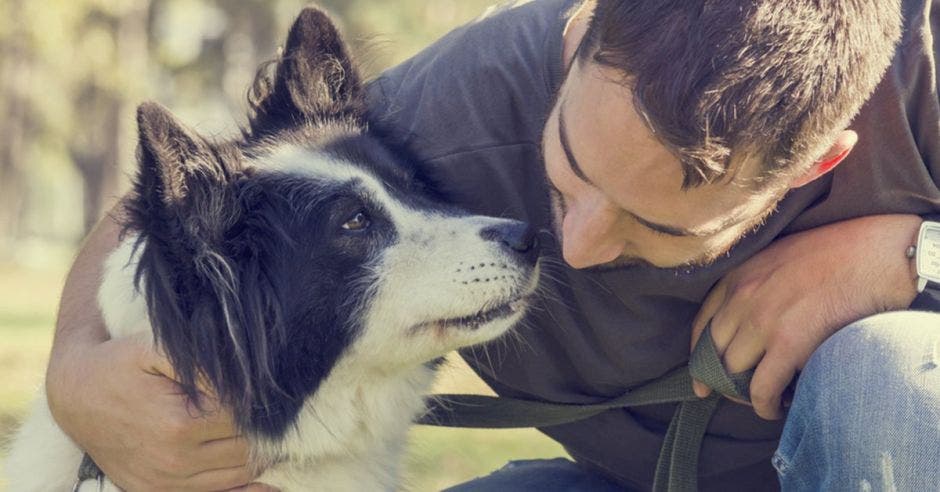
(928, 251)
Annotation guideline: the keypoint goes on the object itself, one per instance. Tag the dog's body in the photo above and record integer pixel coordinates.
(303, 274)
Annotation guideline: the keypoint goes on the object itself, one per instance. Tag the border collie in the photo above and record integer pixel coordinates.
(303, 273)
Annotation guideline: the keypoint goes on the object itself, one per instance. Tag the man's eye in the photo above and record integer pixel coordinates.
(358, 222)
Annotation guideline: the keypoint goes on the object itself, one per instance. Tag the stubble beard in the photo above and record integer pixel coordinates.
(707, 258)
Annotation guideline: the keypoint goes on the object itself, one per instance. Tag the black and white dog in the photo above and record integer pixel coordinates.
(303, 274)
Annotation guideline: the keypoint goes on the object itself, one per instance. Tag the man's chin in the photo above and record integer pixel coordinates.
(634, 261)
(619, 263)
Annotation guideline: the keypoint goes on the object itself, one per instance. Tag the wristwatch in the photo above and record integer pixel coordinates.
(926, 255)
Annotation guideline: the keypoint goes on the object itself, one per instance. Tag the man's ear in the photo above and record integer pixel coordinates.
(315, 78)
(833, 157)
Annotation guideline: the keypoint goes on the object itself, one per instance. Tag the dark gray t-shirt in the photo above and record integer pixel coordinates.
(471, 109)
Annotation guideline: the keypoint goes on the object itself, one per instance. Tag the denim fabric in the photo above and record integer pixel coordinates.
(866, 414)
(865, 417)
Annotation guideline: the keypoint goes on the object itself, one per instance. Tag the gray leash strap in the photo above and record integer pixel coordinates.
(677, 467)
(88, 470)
(496, 412)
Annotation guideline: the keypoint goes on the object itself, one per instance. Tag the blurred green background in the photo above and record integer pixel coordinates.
(71, 75)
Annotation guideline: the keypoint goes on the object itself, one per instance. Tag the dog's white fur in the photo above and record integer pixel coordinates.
(351, 431)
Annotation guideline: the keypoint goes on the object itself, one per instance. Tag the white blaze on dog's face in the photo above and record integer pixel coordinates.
(439, 279)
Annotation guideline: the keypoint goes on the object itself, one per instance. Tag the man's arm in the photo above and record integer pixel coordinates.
(775, 309)
(113, 397)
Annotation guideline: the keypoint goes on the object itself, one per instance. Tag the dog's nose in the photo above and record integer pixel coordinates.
(519, 237)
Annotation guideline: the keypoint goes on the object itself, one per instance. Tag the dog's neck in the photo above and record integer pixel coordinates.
(348, 431)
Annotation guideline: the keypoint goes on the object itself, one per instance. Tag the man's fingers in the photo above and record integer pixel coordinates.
(225, 453)
(254, 487)
(213, 422)
(745, 350)
(153, 361)
(742, 353)
(701, 389)
(714, 312)
(724, 329)
(711, 305)
(771, 378)
(220, 479)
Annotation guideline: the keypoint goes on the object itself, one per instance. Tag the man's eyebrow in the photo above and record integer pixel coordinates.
(678, 231)
(566, 147)
(662, 228)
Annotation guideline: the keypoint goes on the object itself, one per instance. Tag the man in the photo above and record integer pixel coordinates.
(683, 152)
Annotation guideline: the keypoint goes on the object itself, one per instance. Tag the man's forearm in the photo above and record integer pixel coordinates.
(79, 318)
(80, 323)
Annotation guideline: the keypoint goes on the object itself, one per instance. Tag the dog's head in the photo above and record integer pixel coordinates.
(269, 260)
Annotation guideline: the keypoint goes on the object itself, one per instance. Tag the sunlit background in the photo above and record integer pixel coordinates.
(71, 75)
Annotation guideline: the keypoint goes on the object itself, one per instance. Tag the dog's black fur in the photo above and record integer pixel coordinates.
(231, 305)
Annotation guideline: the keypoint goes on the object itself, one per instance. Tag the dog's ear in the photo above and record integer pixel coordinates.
(184, 203)
(314, 80)
(182, 187)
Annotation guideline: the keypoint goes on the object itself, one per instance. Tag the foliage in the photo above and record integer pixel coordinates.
(72, 72)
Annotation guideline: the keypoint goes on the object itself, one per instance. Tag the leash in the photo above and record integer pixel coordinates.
(88, 470)
(677, 466)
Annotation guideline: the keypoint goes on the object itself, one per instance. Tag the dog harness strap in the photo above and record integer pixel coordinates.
(677, 467)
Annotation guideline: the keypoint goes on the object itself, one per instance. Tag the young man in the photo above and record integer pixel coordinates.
(683, 153)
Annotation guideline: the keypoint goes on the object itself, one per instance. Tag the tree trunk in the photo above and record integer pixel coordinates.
(106, 121)
(14, 74)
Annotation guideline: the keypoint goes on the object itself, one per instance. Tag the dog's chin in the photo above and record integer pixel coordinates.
(484, 317)
(492, 319)
(488, 322)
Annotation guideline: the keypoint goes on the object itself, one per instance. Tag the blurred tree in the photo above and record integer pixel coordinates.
(102, 99)
(14, 71)
(72, 71)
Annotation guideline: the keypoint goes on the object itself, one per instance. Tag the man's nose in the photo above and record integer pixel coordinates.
(589, 237)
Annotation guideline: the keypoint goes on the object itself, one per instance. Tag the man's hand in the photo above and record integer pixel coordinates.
(773, 311)
(114, 399)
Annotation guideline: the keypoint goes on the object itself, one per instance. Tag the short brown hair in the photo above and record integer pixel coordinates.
(767, 79)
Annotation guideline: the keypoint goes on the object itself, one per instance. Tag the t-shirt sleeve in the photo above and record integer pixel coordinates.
(483, 85)
(895, 167)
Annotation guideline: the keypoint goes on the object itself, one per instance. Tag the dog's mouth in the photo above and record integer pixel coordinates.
(483, 317)
(475, 321)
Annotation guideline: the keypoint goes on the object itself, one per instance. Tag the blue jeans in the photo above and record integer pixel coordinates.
(865, 417)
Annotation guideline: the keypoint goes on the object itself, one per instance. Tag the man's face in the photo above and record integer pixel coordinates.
(616, 190)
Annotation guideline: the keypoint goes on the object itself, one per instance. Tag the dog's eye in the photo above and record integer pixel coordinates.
(357, 222)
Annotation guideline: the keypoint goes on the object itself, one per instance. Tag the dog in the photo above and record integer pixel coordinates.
(304, 272)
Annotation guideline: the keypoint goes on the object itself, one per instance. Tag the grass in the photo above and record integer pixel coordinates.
(437, 457)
